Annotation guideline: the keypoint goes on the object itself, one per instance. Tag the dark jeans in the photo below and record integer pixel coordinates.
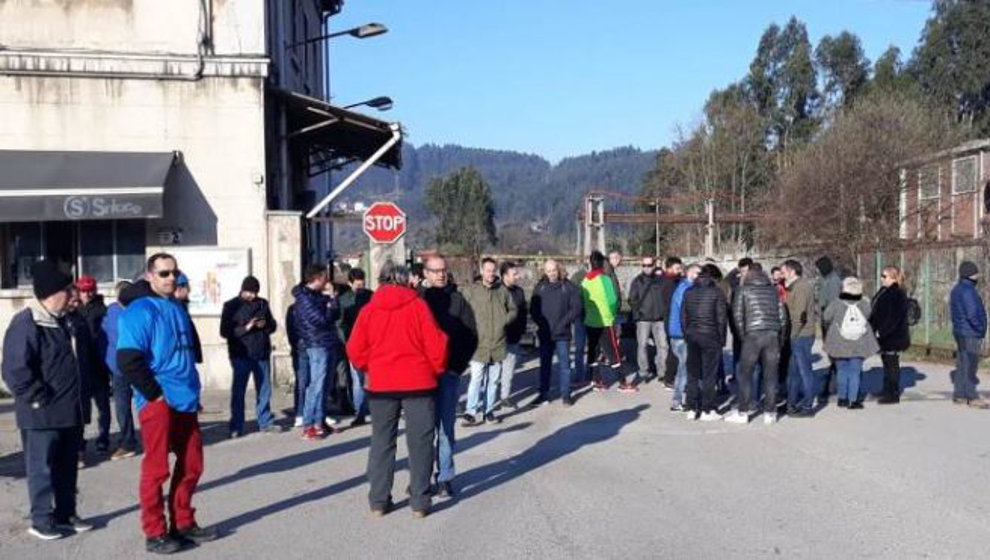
(703, 359)
(123, 397)
(260, 371)
(670, 365)
(51, 460)
(420, 424)
(300, 363)
(891, 374)
(100, 392)
(964, 379)
(548, 348)
(448, 392)
(762, 346)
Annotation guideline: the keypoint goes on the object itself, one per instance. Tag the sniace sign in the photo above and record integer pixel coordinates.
(384, 222)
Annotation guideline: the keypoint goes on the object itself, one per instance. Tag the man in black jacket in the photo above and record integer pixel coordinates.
(649, 309)
(704, 319)
(761, 320)
(351, 303)
(247, 324)
(46, 364)
(456, 320)
(514, 331)
(91, 311)
(556, 306)
(673, 272)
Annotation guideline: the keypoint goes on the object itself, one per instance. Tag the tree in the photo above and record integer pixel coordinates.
(889, 73)
(464, 210)
(844, 67)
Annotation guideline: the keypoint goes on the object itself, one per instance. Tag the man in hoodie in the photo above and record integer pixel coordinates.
(648, 309)
(510, 276)
(704, 318)
(969, 327)
(156, 353)
(92, 310)
(556, 306)
(247, 324)
(494, 310)
(760, 320)
(46, 366)
(456, 320)
(123, 395)
(315, 316)
(600, 301)
(803, 310)
(829, 288)
(675, 330)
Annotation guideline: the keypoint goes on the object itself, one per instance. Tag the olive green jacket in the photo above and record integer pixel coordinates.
(493, 311)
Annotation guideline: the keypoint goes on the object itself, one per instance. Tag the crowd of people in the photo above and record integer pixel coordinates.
(402, 349)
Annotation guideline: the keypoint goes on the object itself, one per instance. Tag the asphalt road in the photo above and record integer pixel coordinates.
(616, 476)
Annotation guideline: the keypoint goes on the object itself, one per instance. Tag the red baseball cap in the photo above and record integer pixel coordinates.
(86, 284)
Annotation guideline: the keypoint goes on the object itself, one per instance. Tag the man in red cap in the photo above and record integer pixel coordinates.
(92, 310)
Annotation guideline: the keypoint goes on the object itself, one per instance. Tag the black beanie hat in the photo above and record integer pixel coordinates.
(47, 279)
(251, 284)
(968, 269)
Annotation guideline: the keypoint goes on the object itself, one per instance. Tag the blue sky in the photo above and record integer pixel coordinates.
(559, 78)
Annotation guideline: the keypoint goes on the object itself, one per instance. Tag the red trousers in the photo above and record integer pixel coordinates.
(164, 430)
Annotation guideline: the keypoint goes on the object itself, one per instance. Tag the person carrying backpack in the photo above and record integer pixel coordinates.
(850, 340)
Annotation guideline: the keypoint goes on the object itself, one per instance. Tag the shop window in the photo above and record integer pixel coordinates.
(130, 248)
(96, 241)
(23, 248)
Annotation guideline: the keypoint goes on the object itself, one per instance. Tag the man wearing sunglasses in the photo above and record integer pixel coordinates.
(156, 353)
(648, 311)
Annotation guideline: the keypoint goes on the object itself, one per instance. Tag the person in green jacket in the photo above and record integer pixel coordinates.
(493, 310)
(600, 297)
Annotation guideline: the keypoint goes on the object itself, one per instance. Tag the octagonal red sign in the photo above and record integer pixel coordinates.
(384, 222)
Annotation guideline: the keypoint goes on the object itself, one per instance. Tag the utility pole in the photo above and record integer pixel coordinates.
(656, 231)
(710, 228)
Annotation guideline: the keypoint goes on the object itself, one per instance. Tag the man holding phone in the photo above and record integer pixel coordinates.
(247, 324)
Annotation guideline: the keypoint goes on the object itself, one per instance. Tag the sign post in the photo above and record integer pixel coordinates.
(385, 225)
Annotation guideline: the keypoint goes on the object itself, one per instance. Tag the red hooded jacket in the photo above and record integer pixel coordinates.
(397, 343)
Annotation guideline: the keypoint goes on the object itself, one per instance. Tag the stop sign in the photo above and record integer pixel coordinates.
(384, 222)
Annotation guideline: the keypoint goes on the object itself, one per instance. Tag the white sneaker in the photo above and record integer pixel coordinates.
(331, 421)
(298, 422)
(710, 416)
(736, 417)
(770, 418)
(690, 415)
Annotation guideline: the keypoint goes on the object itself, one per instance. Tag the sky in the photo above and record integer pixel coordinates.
(562, 78)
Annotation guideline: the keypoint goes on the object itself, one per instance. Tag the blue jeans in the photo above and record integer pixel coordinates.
(965, 380)
(313, 403)
(446, 414)
(514, 351)
(261, 371)
(300, 362)
(679, 347)
(580, 351)
(547, 350)
(360, 402)
(122, 397)
(800, 374)
(483, 376)
(849, 371)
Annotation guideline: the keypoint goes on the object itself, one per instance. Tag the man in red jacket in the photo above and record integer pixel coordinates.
(402, 351)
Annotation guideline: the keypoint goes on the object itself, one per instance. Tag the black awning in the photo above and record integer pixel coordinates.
(59, 186)
(342, 134)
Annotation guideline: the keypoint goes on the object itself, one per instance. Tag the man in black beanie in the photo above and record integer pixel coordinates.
(49, 381)
(247, 324)
(969, 327)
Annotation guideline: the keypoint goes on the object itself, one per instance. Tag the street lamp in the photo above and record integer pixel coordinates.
(381, 103)
(359, 32)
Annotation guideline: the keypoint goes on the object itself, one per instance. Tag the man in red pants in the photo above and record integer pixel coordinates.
(156, 353)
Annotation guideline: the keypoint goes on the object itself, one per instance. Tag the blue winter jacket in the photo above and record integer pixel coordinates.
(109, 327)
(315, 319)
(156, 349)
(969, 316)
(674, 327)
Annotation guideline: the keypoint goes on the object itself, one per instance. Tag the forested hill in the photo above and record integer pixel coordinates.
(528, 190)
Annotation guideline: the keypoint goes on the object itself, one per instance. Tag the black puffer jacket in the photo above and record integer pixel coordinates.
(456, 320)
(890, 319)
(515, 330)
(556, 306)
(646, 298)
(756, 305)
(704, 315)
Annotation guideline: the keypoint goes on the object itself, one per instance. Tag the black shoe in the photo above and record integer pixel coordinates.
(509, 404)
(842, 403)
(444, 490)
(856, 405)
(800, 414)
(540, 400)
(164, 544)
(49, 533)
(74, 525)
(359, 421)
(196, 534)
(492, 419)
(470, 421)
(889, 399)
(567, 402)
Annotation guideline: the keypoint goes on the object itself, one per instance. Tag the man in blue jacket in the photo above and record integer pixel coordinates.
(969, 326)
(314, 322)
(47, 367)
(122, 393)
(675, 330)
(156, 353)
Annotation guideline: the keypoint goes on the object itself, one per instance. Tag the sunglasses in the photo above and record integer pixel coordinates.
(166, 273)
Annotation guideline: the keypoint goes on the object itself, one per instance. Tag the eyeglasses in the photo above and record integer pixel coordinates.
(436, 270)
(166, 273)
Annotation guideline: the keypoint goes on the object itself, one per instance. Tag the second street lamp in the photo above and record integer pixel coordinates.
(359, 32)
(382, 103)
